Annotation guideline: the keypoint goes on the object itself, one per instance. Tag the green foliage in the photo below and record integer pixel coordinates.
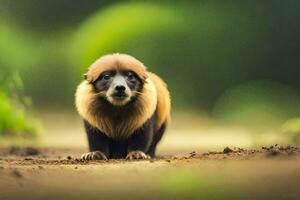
(201, 48)
(40, 60)
(14, 119)
(108, 30)
(258, 104)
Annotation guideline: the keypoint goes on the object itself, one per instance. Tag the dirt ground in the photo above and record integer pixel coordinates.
(234, 173)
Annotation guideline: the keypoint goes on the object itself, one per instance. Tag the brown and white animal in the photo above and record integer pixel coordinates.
(125, 108)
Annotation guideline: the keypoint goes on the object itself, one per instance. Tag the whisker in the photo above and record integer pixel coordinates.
(99, 93)
(138, 92)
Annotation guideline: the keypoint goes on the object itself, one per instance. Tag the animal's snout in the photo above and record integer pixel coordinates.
(120, 88)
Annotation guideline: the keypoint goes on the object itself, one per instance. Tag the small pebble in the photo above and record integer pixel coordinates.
(274, 151)
(193, 154)
(227, 150)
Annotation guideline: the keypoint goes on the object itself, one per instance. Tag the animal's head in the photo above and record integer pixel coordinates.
(117, 78)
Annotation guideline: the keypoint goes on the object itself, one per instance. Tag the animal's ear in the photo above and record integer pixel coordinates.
(144, 77)
(89, 78)
(141, 72)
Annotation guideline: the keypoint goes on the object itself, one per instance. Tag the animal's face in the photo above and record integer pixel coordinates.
(118, 87)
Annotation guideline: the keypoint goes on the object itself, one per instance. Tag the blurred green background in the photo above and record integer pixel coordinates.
(231, 62)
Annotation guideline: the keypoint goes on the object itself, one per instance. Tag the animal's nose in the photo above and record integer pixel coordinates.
(120, 88)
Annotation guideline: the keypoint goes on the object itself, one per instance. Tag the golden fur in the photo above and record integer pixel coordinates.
(154, 97)
(163, 108)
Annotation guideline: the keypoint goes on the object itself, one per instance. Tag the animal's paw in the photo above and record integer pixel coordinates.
(137, 155)
(94, 155)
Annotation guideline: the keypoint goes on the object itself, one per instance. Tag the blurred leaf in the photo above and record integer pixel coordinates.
(14, 119)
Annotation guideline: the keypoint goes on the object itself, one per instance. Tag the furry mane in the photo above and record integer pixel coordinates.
(116, 122)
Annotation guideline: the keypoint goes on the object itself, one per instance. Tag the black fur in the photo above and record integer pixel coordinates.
(157, 137)
(144, 139)
(96, 139)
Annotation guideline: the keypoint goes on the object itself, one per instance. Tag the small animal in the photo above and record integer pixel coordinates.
(125, 108)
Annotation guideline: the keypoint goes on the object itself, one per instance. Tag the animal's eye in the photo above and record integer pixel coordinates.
(130, 76)
(106, 77)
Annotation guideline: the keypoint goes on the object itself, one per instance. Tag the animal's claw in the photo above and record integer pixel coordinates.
(137, 155)
(94, 155)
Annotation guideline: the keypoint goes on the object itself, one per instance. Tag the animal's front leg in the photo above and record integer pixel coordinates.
(139, 143)
(98, 144)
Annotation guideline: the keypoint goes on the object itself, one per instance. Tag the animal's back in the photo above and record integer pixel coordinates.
(163, 107)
